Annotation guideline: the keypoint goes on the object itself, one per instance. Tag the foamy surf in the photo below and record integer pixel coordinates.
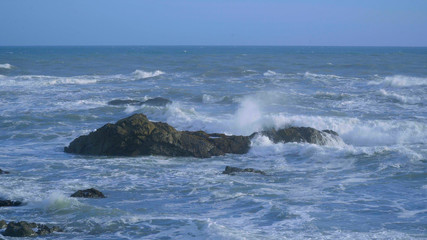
(139, 74)
(401, 81)
(6, 66)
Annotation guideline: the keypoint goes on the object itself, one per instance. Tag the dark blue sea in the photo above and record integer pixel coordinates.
(370, 185)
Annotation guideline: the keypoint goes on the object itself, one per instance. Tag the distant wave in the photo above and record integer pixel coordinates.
(401, 81)
(270, 73)
(6, 66)
(399, 98)
(139, 74)
(43, 80)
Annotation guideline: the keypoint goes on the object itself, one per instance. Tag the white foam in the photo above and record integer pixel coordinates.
(6, 66)
(400, 98)
(400, 81)
(139, 74)
(270, 73)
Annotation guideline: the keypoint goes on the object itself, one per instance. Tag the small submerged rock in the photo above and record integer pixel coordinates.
(3, 224)
(26, 229)
(10, 203)
(3, 172)
(157, 101)
(88, 193)
(124, 102)
(232, 170)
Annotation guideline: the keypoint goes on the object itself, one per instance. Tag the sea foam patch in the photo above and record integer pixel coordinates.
(140, 74)
(6, 66)
(401, 81)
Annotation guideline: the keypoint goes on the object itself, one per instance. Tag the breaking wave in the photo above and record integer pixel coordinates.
(139, 74)
(400, 81)
(6, 66)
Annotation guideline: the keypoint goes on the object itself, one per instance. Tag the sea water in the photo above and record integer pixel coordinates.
(372, 185)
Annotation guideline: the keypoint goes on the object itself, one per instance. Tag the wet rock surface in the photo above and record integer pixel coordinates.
(3, 224)
(10, 203)
(157, 101)
(298, 134)
(232, 170)
(26, 229)
(136, 135)
(88, 193)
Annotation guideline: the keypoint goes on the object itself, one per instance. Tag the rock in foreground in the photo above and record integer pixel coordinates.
(26, 229)
(9, 203)
(136, 135)
(88, 193)
(232, 170)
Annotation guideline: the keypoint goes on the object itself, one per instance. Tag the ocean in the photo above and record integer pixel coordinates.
(372, 185)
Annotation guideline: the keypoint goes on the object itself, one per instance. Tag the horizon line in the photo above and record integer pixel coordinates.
(213, 45)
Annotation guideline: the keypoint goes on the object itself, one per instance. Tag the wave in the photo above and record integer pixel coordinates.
(269, 73)
(139, 74)
(6, 66)
(400, 98)
(43, 80)
(400, 81)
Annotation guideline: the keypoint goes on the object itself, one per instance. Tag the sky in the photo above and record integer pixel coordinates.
(209, 22)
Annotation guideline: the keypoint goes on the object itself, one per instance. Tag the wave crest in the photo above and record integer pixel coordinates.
(6, 66)
(139, 74)
(401, 81)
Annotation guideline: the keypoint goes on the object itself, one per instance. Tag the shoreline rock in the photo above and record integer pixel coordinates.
(232, 170)
(88, 193)
(10, 203)
(26, 229)
(137, 136)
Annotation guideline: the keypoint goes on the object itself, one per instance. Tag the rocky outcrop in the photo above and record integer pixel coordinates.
(157, 101)
(3, 172)
(88, 193)
(3, 224)
(9, 203)
(299, 134)
(232, 170)
(26, 229)
(136, 135)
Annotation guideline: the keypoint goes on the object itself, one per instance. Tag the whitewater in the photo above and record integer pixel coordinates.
(370, 185)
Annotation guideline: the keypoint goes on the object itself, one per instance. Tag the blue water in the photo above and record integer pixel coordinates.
(373, 185)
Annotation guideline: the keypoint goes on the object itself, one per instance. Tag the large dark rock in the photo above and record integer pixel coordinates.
(136, 135)
(299, 134)
(88, 193)
(3, 172)
(9, 203)
(26, 229)
(232, 170)
(157, 101)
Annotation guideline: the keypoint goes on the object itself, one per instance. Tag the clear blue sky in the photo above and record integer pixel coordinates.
(209, 22)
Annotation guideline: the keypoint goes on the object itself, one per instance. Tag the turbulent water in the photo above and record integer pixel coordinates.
(373, 185)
